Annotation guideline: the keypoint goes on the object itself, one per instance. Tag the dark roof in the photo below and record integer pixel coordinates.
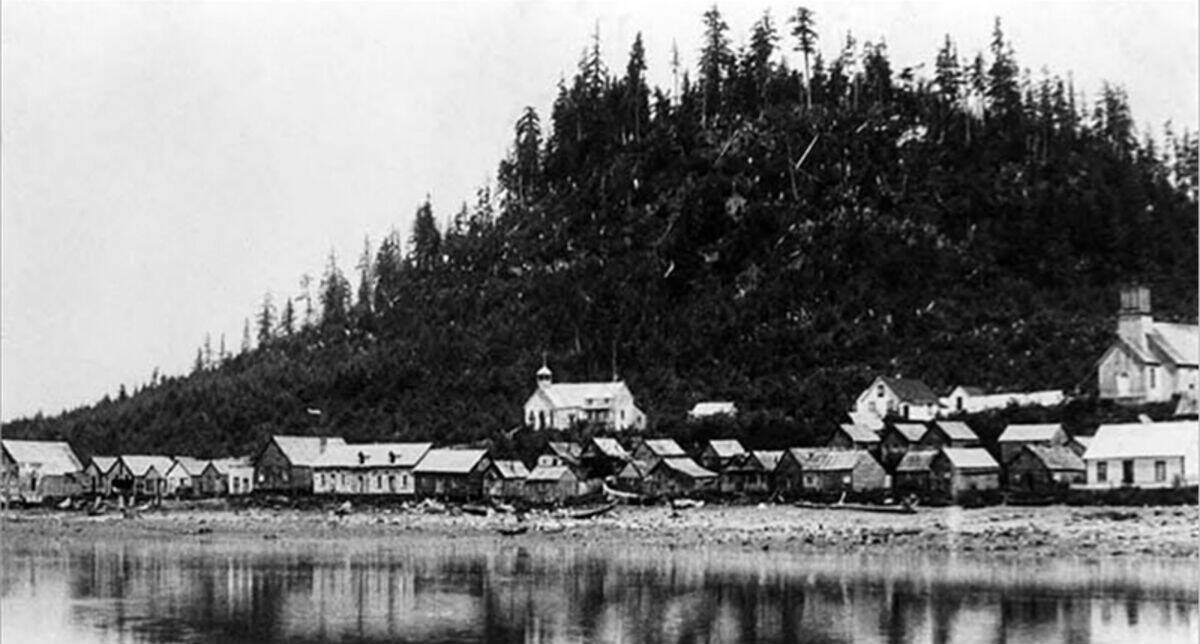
(1057, 457)
(910, 390)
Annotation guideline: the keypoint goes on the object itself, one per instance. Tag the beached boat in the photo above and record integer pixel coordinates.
(594, 512)
(511, 531)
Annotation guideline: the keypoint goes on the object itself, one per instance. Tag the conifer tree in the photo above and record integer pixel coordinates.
(804, 31)
(426, 241)
(715, 62)
(266, 320)
(335, 296)
(245, 335)
(287, 319)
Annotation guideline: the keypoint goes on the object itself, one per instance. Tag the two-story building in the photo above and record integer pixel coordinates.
(606, 405)
(903, 398)
(1148, 361)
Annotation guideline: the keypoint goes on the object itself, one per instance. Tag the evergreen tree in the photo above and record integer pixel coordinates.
(715, 62)
(389, 266)
(335, 296)
(222, 354)
(365, 303)
(804, 31)
(306, 295)
(266, 321)
(426, 241)
(245, 335)
(208, 351)
(287, 319)
(947, 74)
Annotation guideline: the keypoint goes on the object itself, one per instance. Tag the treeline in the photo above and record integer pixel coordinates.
(773, 231)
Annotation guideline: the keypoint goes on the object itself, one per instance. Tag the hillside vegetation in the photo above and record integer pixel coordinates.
(758, 232)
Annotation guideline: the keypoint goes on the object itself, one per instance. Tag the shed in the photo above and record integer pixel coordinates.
(913, 473)
(1045, 468)
(455, 474)
(550, 485)
(33, 471)
(505, 479)
(956, 470)
(1145, 455)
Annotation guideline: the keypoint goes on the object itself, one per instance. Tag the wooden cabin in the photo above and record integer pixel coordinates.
(913, 473)
(453, 474)
(285, 463)
(956, 470)
(95, 476)
(603, 457)
(181, 476)
(719, 453)
(551, 485)
(898, 439)
(788, 475)
(559, 453)
(226, 477)
(1015, 437)
(837, 470)
(677, 476)
(1145, 455)
(141, 475)
(1041, 468)
(37, 471)
(505, 479)
(652, 450)
(368, 469)
(632, 477)
(851, 436)
(948, 433)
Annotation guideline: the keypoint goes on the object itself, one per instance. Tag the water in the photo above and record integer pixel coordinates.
(471, 591)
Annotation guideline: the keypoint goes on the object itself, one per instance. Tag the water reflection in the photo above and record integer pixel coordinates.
(484, 592)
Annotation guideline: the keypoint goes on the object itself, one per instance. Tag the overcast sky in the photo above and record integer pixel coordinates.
(164, 165)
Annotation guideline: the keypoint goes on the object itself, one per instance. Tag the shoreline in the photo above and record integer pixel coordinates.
(994, 532)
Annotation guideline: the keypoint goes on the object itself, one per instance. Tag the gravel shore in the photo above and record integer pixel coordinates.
(1055, 531)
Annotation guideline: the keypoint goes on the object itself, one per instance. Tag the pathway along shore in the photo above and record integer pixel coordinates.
(1056, 531)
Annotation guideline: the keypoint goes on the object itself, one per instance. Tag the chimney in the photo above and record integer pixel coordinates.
(391, 457)
(1134, 322)
(362, 458)
(324, 441)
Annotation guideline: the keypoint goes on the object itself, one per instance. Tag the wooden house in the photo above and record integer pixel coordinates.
(948, 433)
(35, 471)
(851, 436)
(1146, 455)
(1042, 468)
(898, 439)
(956, 470)
(607, 405)
(632, 476)
(561, 453)
(505, 479)
(678, 475)
(603, 457)
(973, 400)
(902, 398)
(913, 473)
(652, 450)
(719, 453)
(551, 485)
(838, 470)
(751, 473)
(95, 475)
(455, 474)
(226, 477)
(1148, 361)
(141, 475)
(1015, 437)
(285, 463)
(181, 476)
(712, 408)
(368, 469)
(789, 471)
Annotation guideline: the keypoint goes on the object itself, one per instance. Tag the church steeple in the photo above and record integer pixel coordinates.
(544, 376)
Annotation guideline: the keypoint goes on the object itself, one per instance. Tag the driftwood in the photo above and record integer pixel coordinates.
(903, 508)
(618, 494)
(594, 512)
(683, 504)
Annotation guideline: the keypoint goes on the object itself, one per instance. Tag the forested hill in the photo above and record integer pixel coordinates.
(769, 234)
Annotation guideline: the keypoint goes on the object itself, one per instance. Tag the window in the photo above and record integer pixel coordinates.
(879, 391)
(1160, 470)
(1154, 377)
(1102, 472)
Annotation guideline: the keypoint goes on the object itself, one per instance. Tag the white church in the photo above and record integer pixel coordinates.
(560, 405)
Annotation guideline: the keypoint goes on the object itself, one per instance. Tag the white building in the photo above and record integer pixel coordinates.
(708, 409)
(896, 398)
(1144, 455)
(972, 400)
(560, 405)
(1148, 361)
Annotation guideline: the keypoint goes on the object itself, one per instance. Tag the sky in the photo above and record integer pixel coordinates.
(164, 165)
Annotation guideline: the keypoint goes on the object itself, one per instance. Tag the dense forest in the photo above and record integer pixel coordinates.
(775, 228)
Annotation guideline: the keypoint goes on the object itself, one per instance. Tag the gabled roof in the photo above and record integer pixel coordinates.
(916, 460)
(712, 408)
(1181, 342)
(726, 448)
(610, 447)
(103, 463)
(801, 454)
(686, 466)
(859, 434)
(912, 432)
(971, 391)
(836, 460)
(49, 457)
(566, 450)
(1082, 440)
(224, 465)
(513, 470)
(768, 459)
(1141, 440)
(957, 430)
(633, 468)
(970, 458)
(1188, 405)
(304, 451)
(373, 455)
(1057, 457)
(584, 395)
(910, 390)
(548, 474)
(867, 419)
(1030, 433)
(140, 464)
(450, 461)
(191, 466)
(663, 447)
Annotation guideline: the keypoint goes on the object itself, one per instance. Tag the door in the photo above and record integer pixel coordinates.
(1127, 472)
